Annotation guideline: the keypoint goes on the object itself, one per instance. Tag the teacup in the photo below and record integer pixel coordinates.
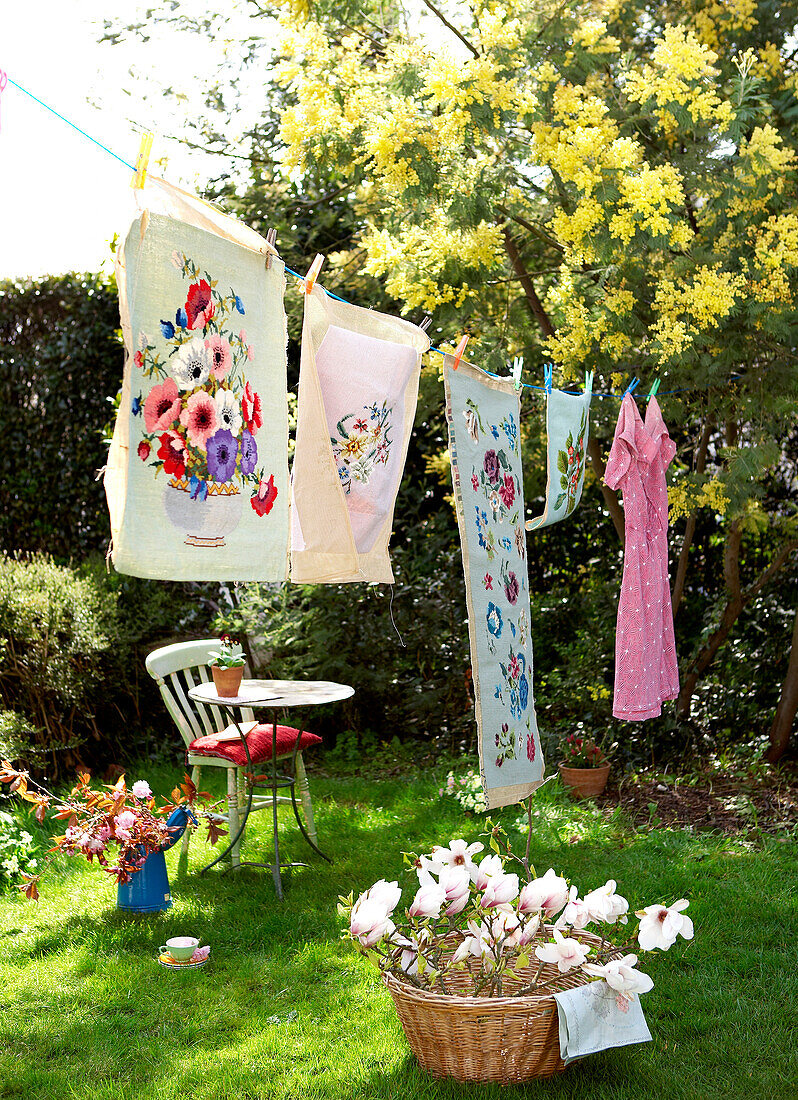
(181, 948)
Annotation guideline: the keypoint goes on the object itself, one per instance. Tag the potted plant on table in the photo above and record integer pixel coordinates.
(118, 827)
(584, 768)
(475, 959)
(227, 666)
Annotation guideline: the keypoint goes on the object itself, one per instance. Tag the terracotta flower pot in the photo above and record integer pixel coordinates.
(227, 681)
(585, 782)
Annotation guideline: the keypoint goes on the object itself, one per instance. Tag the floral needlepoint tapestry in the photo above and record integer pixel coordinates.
(567, 431)
(485, 447)
(358, 387)
(197, 474)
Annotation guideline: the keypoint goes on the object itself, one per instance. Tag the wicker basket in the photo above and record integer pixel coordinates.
(505, 1039)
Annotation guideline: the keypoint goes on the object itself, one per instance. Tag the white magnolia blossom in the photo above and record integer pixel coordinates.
(490, 867)
(566, 953)
(411, 947)
(370, 919)
(456, 885)
(428, 900)
(576, 914)
(547, 895)
(661, 924)
(479, 945)
(605, 906)
(192, 365)
(458, 854)
(620, 975)
(500, 890)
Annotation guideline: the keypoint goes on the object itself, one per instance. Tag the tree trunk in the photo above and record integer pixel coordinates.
(738, 599)
(788, 704)
(528, 287)
(690, 526)
(610, 496)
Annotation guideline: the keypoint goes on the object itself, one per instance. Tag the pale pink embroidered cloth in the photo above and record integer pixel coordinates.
(646, 672)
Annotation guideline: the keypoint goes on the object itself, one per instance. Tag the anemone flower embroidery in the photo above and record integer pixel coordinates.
(200, 306)
(228, 411)
(263, 500)
(220, 355)
(191, 366)
(172, 453)
(162, 407)
(222, 453)
(248, 449)
(199, 418)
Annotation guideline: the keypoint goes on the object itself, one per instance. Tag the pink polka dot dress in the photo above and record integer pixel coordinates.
(646, 672)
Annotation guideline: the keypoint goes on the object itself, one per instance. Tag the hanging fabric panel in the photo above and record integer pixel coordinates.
(567, 432)
(197, 473)
(485, 447)
(358, 388)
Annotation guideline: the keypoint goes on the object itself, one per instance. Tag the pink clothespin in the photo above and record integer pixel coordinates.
(458, 355)
(313, 273)
(3, 81)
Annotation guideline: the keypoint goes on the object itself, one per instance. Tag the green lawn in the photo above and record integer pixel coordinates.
(285, 1008)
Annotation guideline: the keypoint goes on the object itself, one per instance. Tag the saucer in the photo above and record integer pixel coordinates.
(171, 964)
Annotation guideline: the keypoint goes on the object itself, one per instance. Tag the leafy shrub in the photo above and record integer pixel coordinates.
(60, 363)
(18, 850)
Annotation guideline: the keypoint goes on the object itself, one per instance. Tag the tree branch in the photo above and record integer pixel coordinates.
(449, 26)
(690, 526)
(610, 496)
(534, 303)
(534, 229)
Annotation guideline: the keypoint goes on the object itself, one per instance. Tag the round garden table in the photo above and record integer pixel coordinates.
(270, 695)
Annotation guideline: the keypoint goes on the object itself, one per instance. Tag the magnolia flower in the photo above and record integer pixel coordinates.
(456, 884)
(458, 854)
(566, 953)
(370, 918)
(620, 975)
(141, 789)
(500, 890)
(660, 925)
(479, 945)
(576, 913)
(505, 928)
(428, 900)
(547, 895)
(411, 949)
(605, 905)
(490, 867)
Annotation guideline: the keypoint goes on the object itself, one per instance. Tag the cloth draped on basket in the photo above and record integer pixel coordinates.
(483, 415)
(197, 472)
(358, 388)
(646, 671)
(567, 433)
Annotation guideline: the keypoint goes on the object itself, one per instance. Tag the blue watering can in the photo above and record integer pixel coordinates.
(148, 890)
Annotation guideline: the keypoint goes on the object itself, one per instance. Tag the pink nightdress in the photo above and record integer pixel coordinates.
(646, 672)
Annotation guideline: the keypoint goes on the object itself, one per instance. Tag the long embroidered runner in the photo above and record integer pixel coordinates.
(197, 473)
(485, 448)
(358, 388)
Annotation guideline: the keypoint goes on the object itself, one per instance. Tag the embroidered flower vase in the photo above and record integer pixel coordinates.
(206, 512)
(585, 782)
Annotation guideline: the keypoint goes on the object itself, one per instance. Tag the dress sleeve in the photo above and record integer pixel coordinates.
(659, 432)
(623, 445)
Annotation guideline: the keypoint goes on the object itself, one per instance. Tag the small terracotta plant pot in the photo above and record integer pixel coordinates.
(585, 782)
(227, 681)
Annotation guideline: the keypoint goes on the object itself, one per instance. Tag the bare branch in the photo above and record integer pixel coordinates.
(454, 30)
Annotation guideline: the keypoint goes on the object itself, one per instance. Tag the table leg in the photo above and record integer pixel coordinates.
(276, 867)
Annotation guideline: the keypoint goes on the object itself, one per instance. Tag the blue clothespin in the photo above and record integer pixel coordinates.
(518, 366)
(632, 386)
(653, 391)
(588, 381)
(548, 370)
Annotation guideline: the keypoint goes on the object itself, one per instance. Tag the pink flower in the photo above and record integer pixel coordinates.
(141, 789)
(661, 924)
(199, 418)
(500, 890)
(220, 355)
(200, 307)
(138, 359)
(125, 820)
(251, 410)
(162, 406)
(515, 668)
(547, 894)
(474, 482)
(143, 450)
(566, 953)
(250, 352)
(456, 884)
(488, 582)
(507, 490)
(428, 900)
(242, 336)
(370, 919)
(263, 501)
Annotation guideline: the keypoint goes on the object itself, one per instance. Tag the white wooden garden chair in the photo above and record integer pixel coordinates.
(178, 668)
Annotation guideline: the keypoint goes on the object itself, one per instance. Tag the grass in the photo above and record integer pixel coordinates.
(286, 1009)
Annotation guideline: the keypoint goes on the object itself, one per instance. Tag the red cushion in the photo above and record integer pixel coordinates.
(259, 741)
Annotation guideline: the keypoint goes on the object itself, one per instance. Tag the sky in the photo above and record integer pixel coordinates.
(62, 198)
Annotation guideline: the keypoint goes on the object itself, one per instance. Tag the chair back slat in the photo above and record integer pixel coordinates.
(200, 711)
(218, 718)
(185, 705)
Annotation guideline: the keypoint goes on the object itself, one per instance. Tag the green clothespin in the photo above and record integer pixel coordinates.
(518, 366)
(653, 391)
(588, 381)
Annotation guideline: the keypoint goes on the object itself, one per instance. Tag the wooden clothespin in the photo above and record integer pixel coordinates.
(588, 381)
(548, 371)
(632, 386)
(518, 366)
(313, 273)
(458, 355)
(653, 391)
(142, 160)
(271, 238)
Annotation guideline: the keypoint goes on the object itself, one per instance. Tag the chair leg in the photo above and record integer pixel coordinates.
(195, 778)
(304, 793)
(232, 813)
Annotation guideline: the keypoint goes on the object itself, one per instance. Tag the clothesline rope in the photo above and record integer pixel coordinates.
(297, 275)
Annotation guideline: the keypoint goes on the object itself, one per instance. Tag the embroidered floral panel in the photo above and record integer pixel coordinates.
(567, 431)
(484, 444)
(197, 478)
